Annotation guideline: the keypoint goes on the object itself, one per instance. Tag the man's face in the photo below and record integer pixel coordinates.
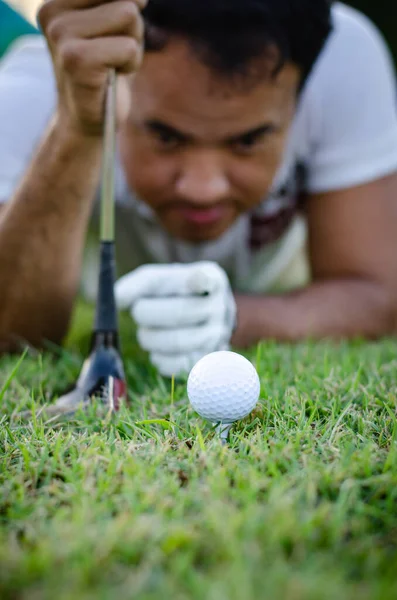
(199, 149)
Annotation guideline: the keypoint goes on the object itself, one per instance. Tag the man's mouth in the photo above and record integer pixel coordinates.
(203, 216)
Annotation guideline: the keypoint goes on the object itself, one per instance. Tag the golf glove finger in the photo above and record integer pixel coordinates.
(168, 313)
(169, 364)
(170, 280)
(208, 336)
(183, 311)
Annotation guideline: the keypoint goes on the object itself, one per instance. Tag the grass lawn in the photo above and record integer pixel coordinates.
(301, 505)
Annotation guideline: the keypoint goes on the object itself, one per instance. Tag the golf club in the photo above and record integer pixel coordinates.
(102, 375)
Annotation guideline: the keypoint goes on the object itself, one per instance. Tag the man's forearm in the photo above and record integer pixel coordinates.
(330, 309)
(42, 233)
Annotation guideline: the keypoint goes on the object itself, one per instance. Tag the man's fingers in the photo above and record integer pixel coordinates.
(151, 281)
(116, 18)
(82, 56)
(177, 364)
(52, 7)
(140, 283)
(177, 341)
(168, 313)
(170, 280)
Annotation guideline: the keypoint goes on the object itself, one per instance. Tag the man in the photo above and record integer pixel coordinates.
(257, 147)
(12, 26)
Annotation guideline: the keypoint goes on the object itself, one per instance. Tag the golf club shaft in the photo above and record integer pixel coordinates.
(107, 188)
(106, 314)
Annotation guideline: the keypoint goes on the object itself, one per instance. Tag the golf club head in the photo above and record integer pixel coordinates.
(102, 378)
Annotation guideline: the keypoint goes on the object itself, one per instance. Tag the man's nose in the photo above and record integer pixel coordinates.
(202, 179)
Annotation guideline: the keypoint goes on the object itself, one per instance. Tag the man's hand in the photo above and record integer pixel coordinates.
(86, 38)
(183, 312)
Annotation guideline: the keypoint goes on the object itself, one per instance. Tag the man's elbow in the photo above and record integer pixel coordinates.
(383, 303)
(14, 340)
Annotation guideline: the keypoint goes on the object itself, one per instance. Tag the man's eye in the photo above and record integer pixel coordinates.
(167, 139)
(247, 142)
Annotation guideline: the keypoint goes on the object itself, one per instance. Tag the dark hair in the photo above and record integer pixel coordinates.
(228, 35)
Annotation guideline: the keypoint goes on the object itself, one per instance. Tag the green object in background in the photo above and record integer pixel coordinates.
(12, 26)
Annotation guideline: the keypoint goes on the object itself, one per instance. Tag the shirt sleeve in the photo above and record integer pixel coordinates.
(27, 100)
(353, 138)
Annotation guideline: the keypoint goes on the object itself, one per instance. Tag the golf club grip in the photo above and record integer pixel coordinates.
(106, 313)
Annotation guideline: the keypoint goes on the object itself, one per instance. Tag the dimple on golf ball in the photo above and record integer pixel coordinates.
(223, 387)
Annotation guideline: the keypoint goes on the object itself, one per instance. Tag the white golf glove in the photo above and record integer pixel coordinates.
(183, 312)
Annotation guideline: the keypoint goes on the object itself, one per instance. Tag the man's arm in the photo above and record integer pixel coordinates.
(42, 228)
(353, 255)
(42, 232)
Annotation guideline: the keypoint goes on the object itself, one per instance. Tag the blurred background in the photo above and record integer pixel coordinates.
(382, 12)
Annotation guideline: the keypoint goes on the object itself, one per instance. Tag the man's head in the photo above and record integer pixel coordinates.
(212, 105)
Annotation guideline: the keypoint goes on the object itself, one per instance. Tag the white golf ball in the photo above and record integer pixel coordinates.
(223, 387)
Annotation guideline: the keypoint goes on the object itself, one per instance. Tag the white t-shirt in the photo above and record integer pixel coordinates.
(344, 134)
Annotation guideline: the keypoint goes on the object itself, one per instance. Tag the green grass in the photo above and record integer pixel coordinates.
(301, 505)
